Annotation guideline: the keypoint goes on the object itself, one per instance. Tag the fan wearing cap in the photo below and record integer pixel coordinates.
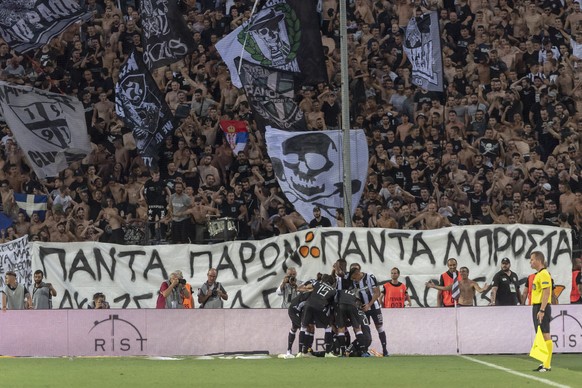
(505, 286)
(14, 295)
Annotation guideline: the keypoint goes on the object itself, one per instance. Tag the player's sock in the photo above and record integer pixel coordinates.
(309, 337)
(290, 340)
(550, 346)
(361, 340)
(348, 337)
(341, 340)
(302, 339)
(328, 339)
(382, 335)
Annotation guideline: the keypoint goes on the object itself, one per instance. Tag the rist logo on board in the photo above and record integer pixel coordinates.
(115, 334)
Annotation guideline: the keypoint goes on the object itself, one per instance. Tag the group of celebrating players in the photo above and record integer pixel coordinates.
(335, 302)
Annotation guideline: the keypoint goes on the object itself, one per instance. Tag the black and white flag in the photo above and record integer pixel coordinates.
(50, 128)
(30, 24)
(141, 104)
(284, 35)
(271, 94)
(309, 168)
(166, 37)
(422, 45)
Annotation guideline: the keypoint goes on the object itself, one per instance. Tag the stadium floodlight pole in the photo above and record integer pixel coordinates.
(345, 100)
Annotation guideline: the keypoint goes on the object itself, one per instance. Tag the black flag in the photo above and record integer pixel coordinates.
(28, 24)
(271, 94)
(141, 104)
(166, 36)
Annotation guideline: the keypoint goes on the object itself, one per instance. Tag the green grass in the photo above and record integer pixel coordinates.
(399, 371)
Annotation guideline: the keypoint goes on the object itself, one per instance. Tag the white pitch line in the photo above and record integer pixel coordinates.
(538, 379)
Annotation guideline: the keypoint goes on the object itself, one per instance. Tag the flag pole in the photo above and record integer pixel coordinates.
(242, 51)
(345, 122)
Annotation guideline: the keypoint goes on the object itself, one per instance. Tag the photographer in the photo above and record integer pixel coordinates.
(288, 287)
(99, 302)
(42, 293)
(173, 292)
(211, 294)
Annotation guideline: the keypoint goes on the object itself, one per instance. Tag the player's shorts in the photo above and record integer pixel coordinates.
(346, 315)
(375, 315)
(295, 317)
(312, 315)
(545, 324)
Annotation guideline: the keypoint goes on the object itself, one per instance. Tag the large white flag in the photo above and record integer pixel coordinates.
(284, 35)
(50, 128)
(309, 168)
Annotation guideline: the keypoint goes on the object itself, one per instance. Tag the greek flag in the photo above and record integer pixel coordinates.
(30, 204)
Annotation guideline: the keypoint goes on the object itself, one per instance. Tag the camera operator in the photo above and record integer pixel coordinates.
(288, 287)
(42, 293)
(211, 294)
(173, 292)
(99, 302)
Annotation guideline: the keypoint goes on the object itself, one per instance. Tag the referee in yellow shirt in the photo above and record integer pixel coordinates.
(541, 298)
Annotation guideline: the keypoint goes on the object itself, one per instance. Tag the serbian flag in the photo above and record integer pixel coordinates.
(30, 204)
(236, 133)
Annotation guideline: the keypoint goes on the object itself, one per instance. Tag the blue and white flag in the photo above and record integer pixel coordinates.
(309, 168)
(31, 204)
(422, 45)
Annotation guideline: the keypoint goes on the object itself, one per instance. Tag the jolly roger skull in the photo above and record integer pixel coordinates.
(309, 165)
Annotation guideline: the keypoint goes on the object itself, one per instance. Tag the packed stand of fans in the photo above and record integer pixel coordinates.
(501, 145)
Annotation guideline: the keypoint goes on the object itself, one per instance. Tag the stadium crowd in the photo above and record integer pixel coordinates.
(500, 145)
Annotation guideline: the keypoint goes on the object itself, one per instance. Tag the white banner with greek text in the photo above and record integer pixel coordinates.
(251, 271)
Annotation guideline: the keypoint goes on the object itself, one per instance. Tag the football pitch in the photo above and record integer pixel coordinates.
(396, 371)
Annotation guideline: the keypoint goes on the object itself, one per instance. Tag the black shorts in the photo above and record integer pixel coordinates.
(313, 315)
(545, 324)
(295, 317)
(376, 316)
(346, 315)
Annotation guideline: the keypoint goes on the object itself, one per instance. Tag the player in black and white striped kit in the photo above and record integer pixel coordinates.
(367, 285)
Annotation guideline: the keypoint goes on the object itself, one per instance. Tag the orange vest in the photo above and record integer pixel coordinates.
(394, 296)
(574, 294)
(188, 303)
(447, 295)
(529, 284)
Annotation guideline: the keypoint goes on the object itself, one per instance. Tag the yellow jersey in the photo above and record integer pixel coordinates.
(541, 280)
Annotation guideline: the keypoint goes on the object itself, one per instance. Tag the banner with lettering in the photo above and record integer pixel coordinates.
(15, 256)
(27, 25)
(50, 128)
(251, 271)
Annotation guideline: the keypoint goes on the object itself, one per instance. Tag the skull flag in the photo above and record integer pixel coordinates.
(166, 36)
(141, 105)
(50, 128)
(30, 24)
(309, 168)
(283, 35)
(271, 94)
(422, 45)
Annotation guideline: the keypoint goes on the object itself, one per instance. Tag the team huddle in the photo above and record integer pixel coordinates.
(334, 303)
